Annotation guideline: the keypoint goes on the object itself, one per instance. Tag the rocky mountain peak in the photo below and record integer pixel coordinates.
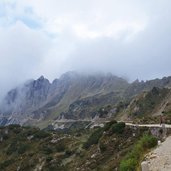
(41, 77)
(41, 83)
(40, 98)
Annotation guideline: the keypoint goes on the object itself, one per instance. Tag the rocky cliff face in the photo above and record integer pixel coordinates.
(91, 107)
(72, 96)
(149, 103)
(27, 97)
(39, 99)
(137, 87)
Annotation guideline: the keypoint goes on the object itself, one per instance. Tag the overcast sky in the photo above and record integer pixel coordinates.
(130, 38)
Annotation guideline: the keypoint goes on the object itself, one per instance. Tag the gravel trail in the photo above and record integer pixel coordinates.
(160, 158)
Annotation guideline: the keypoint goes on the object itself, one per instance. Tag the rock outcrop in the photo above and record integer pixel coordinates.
(72, 96)
(39, 99)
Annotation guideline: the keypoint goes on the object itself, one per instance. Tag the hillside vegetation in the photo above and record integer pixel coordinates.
(26, 148)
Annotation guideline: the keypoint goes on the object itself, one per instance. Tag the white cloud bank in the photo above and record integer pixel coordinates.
(126, 37)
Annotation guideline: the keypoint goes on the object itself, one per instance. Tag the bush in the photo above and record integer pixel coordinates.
(14, 126)
(102, 147)
(5, 164)
(118, 128)
(128, 165)
(12, 148)
(94, 138)
(132, 159)
(47, 150)
(16, 147)
(41, 134)
(60, 147)
(22, 148)
(29, 131)
(148, 141)
(108, 125)
(68, 153)
(49, 158)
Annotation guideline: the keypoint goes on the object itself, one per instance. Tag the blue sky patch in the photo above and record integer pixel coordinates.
(34, 24)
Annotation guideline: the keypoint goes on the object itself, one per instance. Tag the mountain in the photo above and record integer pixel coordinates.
(27, 97)
(77, 96)
(146, 107)
(138, 86)
(138, 100)
(39, 100)
(149, 102)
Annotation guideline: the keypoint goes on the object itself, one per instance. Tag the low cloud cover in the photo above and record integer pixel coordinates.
(129, 38)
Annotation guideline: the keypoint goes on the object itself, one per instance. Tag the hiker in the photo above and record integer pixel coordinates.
(161, 119)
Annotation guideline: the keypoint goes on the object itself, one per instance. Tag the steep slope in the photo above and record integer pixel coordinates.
(26, 98)
(148, 102)
(28, 148)
(148, 106)
(90, 107)
(81, 96)
(83, 86)
(137, 87)
(39, 100)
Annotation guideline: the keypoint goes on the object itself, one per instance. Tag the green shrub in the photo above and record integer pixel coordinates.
(14, 126)
(12, 148)
(29, 131)
(47, 150)
(148, 141)
(5, 164)
(118, 128)
(16, 147)
(22, 148)
(94, 138)
(5, 136)
(136, 153)
(102, 147)
(41, 134)
(133, 158)
(49, 158)
(128, 165)
(68, 153)
(60, 147)
(108, 125)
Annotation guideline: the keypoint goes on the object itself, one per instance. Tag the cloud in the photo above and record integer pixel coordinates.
(22, 50)
(127, 37)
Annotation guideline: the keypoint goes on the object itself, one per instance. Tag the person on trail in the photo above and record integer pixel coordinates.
(161, 119)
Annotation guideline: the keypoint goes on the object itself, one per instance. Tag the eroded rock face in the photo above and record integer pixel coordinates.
(74, 95)
(38, 98)
(137, 87)
(27, 97)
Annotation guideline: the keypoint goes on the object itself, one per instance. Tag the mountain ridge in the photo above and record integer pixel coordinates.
(41, 100)
(38, 98)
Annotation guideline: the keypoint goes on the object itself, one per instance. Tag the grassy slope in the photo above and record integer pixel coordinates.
(83, 88)
(28, 148)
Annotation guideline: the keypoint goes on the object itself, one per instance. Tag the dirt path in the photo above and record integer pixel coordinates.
(160, 158)
(149, 125)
